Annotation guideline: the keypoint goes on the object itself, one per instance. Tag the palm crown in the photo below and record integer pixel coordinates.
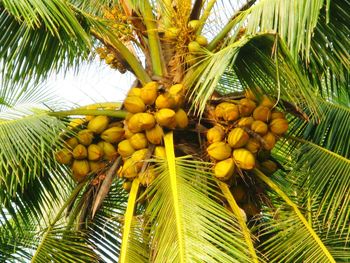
(216, 78)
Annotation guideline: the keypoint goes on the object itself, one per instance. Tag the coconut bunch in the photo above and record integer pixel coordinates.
(151, 110)
(93, 146)
(243, 136)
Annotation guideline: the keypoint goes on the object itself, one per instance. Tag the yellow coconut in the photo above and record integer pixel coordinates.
(155, 135)
(71, 143)
(275, 114)
(245, 122)
(177, 89)
(80, 169)
(128, 133)
(95, 152)
(215, 134)
(259, 127)
(134, 104)
(140, 122)
(246, 107)
(139, 157)
(134, 92)
(80, 152)
(219, 151)
(96, 166)
(127, 186)
(149, 93)
(113, 135)
(227, 111)
(194, 47)
(249, 94)
(147, 177)
(76, 123)
(165, 101)
(267, 102)
(262, 113)
(98, 124)
(110, 152)
(223, 170)
(244, 159)
(269, 141)
(279, 126)
(253, 145)
(159, 152)
(125, 148)
(115, 124)
(85, 137)
(181, 119)
(237, 138)
(193, 25)
(166, 118)
(64, 156)
(202, 40)
(129, 169)
(171, 33)
(138, 141)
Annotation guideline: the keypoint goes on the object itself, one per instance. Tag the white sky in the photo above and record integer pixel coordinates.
(95, 82)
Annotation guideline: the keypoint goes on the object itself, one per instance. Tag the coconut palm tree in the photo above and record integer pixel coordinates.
(267, 202)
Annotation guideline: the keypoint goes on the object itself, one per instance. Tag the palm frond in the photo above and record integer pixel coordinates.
(291, 238)
(186, 223)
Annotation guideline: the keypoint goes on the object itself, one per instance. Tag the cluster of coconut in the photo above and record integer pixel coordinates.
(244, 131)
(150, 111)
(94, 144)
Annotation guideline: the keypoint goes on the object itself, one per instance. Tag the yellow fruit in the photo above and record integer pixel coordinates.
(239, 193)
(177, 89)
(113, 135)
(125, 148)
(63, 156)
(215, 134)
(134, 104)
(191, 59)
(172, 33)
(85, 137)
(194, 47)
(275, 114)
(149, 93)
(128, 116)
(253, 145)
(193, 25)
(155, 135)
(127, 186)
(269, 141)
(129, 169)
(244, 159)
(71, 143)
(246, 107)
(223, 170)
(140, 122)
(96, 166)
(181, 119)
(134, 92)
(259, 127)
(267, 102)
(95, 152)
(80, 169)
(165, 101)
(148, 176)
(262, 113)
(219, 151)
(237, 138)
(159, 152)
(115, 124)
(139, 157)
(98, 124)
(227, 111)
(245, 122)
(279, 126)
(128, 133)
(202, 40)
(80, 152)
(269, 167)
(166, 118)
(138, 141)
(109, 151)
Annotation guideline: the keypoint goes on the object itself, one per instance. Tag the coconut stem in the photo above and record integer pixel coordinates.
(111, 113)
